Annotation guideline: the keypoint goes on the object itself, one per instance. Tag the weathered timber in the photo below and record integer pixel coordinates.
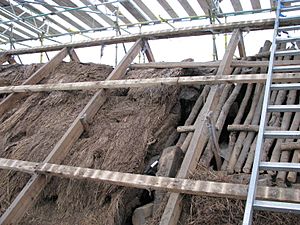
(213, 64)
(290, 146)
(36, 184)
(155, 35)
(138, 83)
(237, 120)
(285, 155)
(257, 99)
(248, 128)
(182, 129)
(173, 208)
(39, 75)
(177, 185)
(193, 114)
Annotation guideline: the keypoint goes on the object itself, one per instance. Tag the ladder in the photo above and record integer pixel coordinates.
(252, 203)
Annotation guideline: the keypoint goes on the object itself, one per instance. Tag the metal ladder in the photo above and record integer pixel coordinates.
(252, 203)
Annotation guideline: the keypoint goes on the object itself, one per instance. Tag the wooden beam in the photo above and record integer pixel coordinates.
(35, 78)
(176, 185)
(237, 6)
(74, 57)
(183, 129)
(255, 4)
(168, 8)
(152, 82)
(163, 34)
(148, 52)
(213, 64)
(36, 184)
(173, 208)
(187, 7)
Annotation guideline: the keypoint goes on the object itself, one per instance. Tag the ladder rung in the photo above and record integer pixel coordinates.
(279, 166)
(277, 206)
(286, 68)
(286, 40)
(292, 8)
(288, 28)
(287, 53)
(282, 134)
(289, 18)
(292, 86)
(284, 108)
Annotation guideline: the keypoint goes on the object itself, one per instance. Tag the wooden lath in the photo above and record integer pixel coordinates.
(187, 7)
(153, 82)
(175, 185)
(173, 208)
(168, 8)
(36, 184)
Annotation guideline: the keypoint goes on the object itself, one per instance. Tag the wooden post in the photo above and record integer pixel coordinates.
(173, 208)
(241, 46)
(39, 75)
(37, 183)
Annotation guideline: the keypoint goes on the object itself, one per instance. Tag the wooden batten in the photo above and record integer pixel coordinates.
(175, 185)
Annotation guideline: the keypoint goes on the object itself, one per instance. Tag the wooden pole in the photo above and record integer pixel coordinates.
(138, 83)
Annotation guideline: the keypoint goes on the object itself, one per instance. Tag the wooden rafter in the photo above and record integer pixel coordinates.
(193, 187)
(134, 83)
(36, 184)
(164, 34)
(173, 208)
(187, 7)
(35, 78)
(114, 9)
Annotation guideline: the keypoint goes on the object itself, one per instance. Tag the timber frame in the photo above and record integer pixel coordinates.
(181, 184)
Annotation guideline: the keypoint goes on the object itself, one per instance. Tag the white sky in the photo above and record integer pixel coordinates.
(199, 48)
